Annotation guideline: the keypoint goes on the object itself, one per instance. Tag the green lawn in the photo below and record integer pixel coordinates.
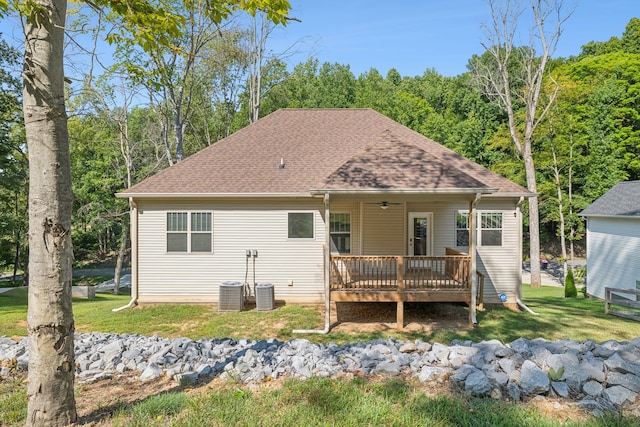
(340, 402)
(558, 318)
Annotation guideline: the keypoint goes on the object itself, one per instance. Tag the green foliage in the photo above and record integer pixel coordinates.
(556, 375)
(13, 164)
(570, 290)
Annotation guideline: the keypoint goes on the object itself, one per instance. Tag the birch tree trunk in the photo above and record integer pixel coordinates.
(513, 77)
(50, 316)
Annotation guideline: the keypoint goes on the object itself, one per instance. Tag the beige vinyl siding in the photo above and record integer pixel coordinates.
(261, 224)
(383, 230)
(499, 264)
(613, 245)
(237, 226)
(442, 226)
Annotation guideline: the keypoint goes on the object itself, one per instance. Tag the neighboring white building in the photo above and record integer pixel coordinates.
(302, 180)
(613, 239)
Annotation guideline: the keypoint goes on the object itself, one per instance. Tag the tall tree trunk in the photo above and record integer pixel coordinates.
(50, 316)
(534, 222)
(563, 239)
(120, 259)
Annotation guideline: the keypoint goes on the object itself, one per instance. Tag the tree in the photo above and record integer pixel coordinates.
(50, 317)
(13, 165)
(513, 77)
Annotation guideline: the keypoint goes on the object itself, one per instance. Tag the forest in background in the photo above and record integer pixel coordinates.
(149, 109)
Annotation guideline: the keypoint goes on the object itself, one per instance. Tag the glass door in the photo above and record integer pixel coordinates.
(420, 238)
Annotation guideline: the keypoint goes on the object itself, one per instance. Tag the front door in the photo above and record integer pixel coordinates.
(420, 237)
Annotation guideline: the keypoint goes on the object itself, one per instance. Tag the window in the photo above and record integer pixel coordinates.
(189, 232)
(490, 229)
(301, 225)
(462, 229)
(340, 230)
(200, 231)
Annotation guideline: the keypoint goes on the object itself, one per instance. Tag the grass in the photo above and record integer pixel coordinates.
(322, 402)
(558, 318)
(340, 402)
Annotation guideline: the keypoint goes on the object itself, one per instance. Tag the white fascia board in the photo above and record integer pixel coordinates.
(401, 191)
(209, 195)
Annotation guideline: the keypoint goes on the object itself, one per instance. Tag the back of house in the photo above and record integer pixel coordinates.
(301, 186)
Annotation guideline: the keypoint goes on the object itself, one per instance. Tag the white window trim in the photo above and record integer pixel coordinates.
(456, 229)
(480, 229)
(188, 232)
(313, 224)
(477, 220)
(350, 231)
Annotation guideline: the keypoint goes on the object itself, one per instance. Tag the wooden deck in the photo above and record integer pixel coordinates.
(403, 279)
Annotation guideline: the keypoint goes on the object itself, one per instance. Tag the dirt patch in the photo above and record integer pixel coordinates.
(370, 317)
(99, 401)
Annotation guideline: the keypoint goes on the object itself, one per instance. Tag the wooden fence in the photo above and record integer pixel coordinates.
(614, 296)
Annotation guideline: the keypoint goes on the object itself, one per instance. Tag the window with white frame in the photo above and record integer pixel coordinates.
(490, 229)
(189, 232)
(340, 231)
(462, 228)
(300, 225)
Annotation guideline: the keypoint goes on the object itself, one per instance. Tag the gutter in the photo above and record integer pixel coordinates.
(327, 272)
(134, 257)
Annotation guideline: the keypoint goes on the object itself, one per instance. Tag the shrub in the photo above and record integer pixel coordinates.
(570, 290)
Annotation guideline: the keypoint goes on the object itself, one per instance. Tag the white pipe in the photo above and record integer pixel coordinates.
(519, 290)
(134, 257)
(134, 301)
(523, 306)
(473, 245)
(327, 271)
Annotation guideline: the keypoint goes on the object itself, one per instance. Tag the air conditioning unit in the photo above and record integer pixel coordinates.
(231, 296)
(264, 297)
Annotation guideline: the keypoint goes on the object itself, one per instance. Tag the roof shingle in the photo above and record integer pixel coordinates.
(623, 199)
(332, 149)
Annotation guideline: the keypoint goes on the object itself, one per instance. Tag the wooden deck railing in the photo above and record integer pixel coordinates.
(408, 273)
(403, 279)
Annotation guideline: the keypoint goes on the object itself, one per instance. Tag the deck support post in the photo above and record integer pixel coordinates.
(400, 315)
(400, 303)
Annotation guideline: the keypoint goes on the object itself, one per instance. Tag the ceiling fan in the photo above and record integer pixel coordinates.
(384, 204)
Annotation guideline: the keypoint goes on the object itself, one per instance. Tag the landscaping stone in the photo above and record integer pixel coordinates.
(592, 388)
(598, 377)
(561, 388)
(533, 380)
(477, 384)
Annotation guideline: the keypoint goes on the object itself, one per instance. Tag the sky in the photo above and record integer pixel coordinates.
(411, 35)
(415, 35)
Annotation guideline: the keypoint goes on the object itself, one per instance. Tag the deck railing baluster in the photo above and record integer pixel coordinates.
(362, 273)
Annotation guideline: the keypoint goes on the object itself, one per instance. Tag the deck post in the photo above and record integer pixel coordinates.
(400, 302)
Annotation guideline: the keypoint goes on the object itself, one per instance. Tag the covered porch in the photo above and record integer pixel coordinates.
(403, 279)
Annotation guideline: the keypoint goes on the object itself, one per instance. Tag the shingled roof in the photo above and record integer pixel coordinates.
(622, 200)
(323, 150)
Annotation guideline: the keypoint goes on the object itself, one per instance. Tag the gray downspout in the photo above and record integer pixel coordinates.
(134, 257)
(327, 271)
